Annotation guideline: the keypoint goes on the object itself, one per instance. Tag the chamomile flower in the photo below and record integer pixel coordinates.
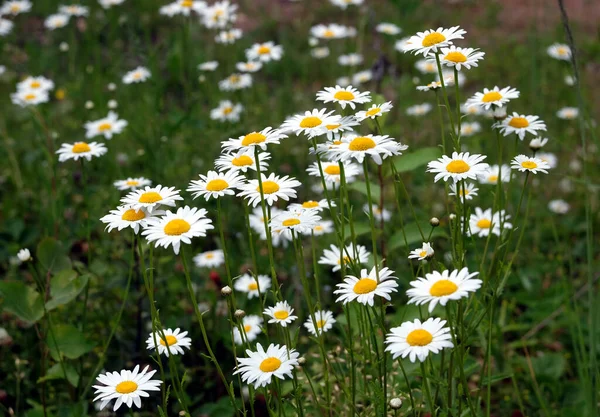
(108, 126)
(530, 164)
(378, 213)
(363, 289)
(250, 66)
(80, 150)
(298, 222)
(36, 84)
(311, 123)
(15, 7)
(173, 342)
(273, 188)
(323, 227)
(74, 10)
(520, 124)
(568, 113)
(280, 313)
(219, 14)
(6, 26)
(332, 172)
(458, 57)
(131, 183)
(494, 97)
(559, 51)
(317, 206)
(251, 325)
(228, 36)
(172, 229)
(343, 81)
(439, 287)
(419, 109)
(249, 285)
(330, 31)
(467, 190)
(362, 77)
(537, 143)
(458, 167)
(151, 198)
(434, 85)
(344, 125)
(484, 222)
(208, 66)
(264, 52)
(215, 184)
(261, 366)
(549, 158)
(242, 162)
(350, 60)
(124, 217)
(324, 322)
(388, 29)
(257, 221)
(235, 82)
(227, 112)
(320, 52)
(422, 253)
(26, 98)
(494, 173)
(425, 66)
(471, 110)
(56, 21)
(127, 387)
(417, 340)
(377, 147)
(559, 206)
(356, 254)
(468, 129)
(249, 141)
(432, 40)
(138, 75)
(210, 259)
(374, 111)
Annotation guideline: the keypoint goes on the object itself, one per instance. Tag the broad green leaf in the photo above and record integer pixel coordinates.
(56, 372)
(64, 287)
(71, 343)
(22, 301)
(52, 255)
(413, 160)
(413, 235)
(361, 187)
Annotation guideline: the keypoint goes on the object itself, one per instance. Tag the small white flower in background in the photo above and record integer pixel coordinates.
(416, 340)
(235, 82)
(432, 40)
(559, 206)
(425, 66)
(467, 193)
(227, 111)
(210, 259)
(449, 78)
(530, 164)
(208, 66)
(331, 31)
(24, 255)
(56, 21)
(138, 75)
(323, 227)
(378, 213)
(434, 85)
(343, 4)
(482, 223)
(252, 329)
(495, 97)
(422, 253)
(111, 86)
(74, 10)
(568, 113)
(261, 366)
(388, 28)
(264, 52)
(219, 15)
(569, 80)
(127, 387)
(332, 171)
(228, 36)
(26, 98)
(362, 77)
(313, 205)
(352, 254)
(537, 143)
(250, 66)
(15, 7)
(6, 26)
(550, 158)
(320, 53)
(281, 313)
(107, 126)
(374, 111)
(5, 338)
(343, 96)
(419, 109)
(251, 286)
(80, 150)
(107, 4)
(559, 51)
(324, 322)
(174, 341)
(493, 173)
(131, 183)
(350, 59)
(89, 105)
(401, 45)
(471, 110)
(469, 129)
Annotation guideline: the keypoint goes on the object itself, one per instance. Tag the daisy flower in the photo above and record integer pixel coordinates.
(537, 143)
(281, 313)
(208, 66)
(215, 184)
(261, 366)
(352, 254)
(179, 227)
(530, 164)
(434, 85)
(431, 40)
(300, 222)
(323, 227)
(249, 285)
(247, 142)
(235, 82)
(150, 198)
(313, 205)
(311, 123)
(332, 172)
(363, 289)
(439, 287)
(493, 173)
(568, 113)
(324, 321)
(330, 31)
(264, 52)
(422, 253)
(469, 129)
(494, 97)
(350, 60)
(458, 57)
(482, 223)
(273, 189)
(425, 66)
(228, 36)
(15, 7)
(459, 167)
(173, 339)
(108, 126)
(125, 216)
(5, 26)
(252, 329)
(219, 14)
(471, 110)
(257, 221)
(416, 340)
(549, 158)
(467, 193)
(419, 109)
(56, 21)
(26, 98)
(24, 255)
(378, 213)
(227, 111)
(320, 52)
(107, 4)
(127, 387)
(74, 10)
(35, 84)
(343, 81)
(131, 183)
(80, 150)
(520, 124)
(388, 28)
(344, 96)
(210, 259)
(559, 206)
(559, 51)
(378, 147)
(138, 75)
(242, 162)
(250, 66)
(362, 77)
(374, 111)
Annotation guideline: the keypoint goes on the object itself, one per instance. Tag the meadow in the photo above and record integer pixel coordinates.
(299, 208)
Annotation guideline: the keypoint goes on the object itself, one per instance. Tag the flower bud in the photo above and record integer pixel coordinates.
(226, 291)
(239, 314)
(395, 403)
(434, 222)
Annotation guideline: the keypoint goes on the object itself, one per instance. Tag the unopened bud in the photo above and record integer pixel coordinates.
(452, 216)
(226, 290)
(434, 222)
(239, 314)
(395, 403)
(301, 360)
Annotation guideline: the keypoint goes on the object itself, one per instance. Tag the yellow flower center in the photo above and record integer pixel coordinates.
(373, 112)
(332, 127)
(187, 3)
(269, 187)
(361, 143)
(518, 122)
(216, 185)
(484, 223)
(343, 95)
(253, 286)
(243, 160)
(318, 228)
(60, 94)
(15, 8)
(321, 324)
(562, 50)
(150, 197)
(332, 170)
(35, 84)
(81, 147)
(310, 204)
(422, 254)
(365, 286)
(104, 127)
(234, 79)
(346, 260)
(209, 255)
(247, 328)
(263, 50)
(30, 97)
(253, 138)
(433, 39)
(168, 340)
(456, 57)
(126, 387)
(457, 167)
(227, 110)
(270, 365)
(443, 287)
(328, 34)
(493, 178)
(177, 227)
(132, 183)
(281, 315)
(310, 122)
(491, 96)
(132, 216)
(419, 337)
(290, 222)
(529, 164)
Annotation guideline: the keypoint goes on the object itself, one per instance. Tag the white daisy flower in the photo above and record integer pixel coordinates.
(311, 123)
(323, 227)
(362, 77)
(559, 206)
(482, 223)
(24, 255)
(107, 4)
(416, 340)
(179, 227)
(215, 184)
(219, 15)
(250, 66)
(210, 259)
(15, 7)
(281, 313)
(248, 284)
(425, 66)
(332, 171)
(6, 26)
(422, 253)
(138, 75)
(569, 80)
(439, 287)
(26, 98)
(493, 173)
(494, 97)
(261, 366)
(568, 113)
(549, 158)
(459, 167)
(374, 111)
(174, 341)
(228, 36)
(458, 57)
(124, 217)
(537, 143)
(378, 147)
(467, 193)
(324, 321)
(343, 126)
(273, 189)
(80, 150)
(56, 21)
(431, 40)
(344, 96)
(520, 124)
(227, 111)
(419, 109)
(343, 81)
(469, 128)
(127, 387)
(320, 52)
(242, 162)
(313, 205)
(471, 110)
(252, 329)
(330, 31)
(363, 289)
(388, 28)
(352, 254)
(434, 85)
(74, 10)
(264, 52)
(257, 221)
(559, 51)
(300, 222)
(247, 142)
(108, 126)
(236, 82)
(208, 66)
(530, 164)
(378, 213)
(150, 198)
(132, 183)
(350, 60)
